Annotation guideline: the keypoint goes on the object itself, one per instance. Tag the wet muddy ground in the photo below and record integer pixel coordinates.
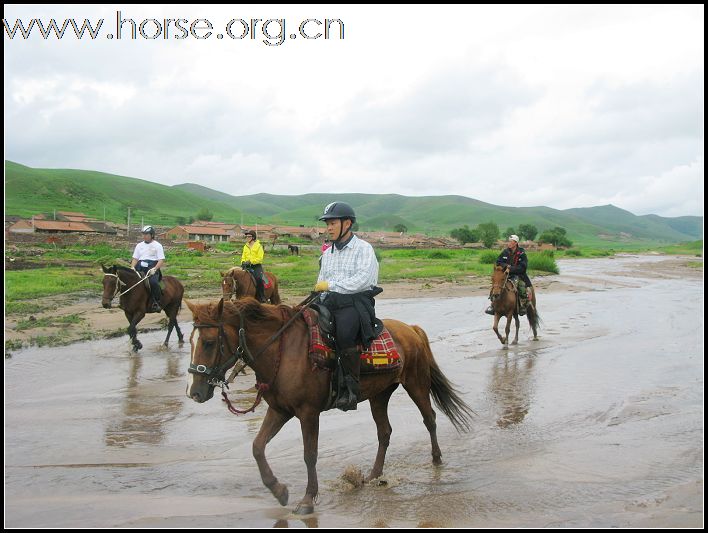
(599, 423)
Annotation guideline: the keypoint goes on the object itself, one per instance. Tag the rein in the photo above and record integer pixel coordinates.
(216, 375)
(120, 283)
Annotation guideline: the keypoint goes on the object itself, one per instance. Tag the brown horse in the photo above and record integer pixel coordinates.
(237, 283)
(135, 299)
(286, 380)
(504, 303)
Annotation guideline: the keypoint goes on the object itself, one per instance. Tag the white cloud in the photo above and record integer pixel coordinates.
(564, 106)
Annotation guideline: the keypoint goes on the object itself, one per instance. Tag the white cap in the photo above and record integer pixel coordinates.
(514, 238)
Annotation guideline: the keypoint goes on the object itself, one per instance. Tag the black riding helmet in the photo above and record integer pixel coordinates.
(150, 230)
(338, 210)
(341, 211)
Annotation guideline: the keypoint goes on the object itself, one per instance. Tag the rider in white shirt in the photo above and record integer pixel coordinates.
(148, 257)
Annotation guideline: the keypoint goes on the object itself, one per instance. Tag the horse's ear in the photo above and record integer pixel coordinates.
(105, 270)
(223, 274)
(192, 307)
(220, 309)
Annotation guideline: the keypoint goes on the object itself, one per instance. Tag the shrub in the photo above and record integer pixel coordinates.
(438, 255)
(488, 257)
(543, 262)
(573, 252)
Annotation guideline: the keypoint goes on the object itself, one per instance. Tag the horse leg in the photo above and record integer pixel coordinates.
(272, 423)
(179, 332)
(170, 324)
(310, 426)
(420, 394)
(516, 336)
(133, 330)
(495, 327)
(507, 329)
(379, 410)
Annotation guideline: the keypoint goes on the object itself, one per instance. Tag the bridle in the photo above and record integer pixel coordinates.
(120, 284)
(499, 287)
(216, 375)
(234, 284)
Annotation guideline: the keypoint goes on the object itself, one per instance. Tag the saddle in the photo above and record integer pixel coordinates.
(266, 281)
(380, 356)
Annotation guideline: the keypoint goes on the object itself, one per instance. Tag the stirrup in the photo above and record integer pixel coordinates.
(345, 403)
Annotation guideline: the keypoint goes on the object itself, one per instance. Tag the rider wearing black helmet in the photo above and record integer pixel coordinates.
(148, 257)
(348, 277)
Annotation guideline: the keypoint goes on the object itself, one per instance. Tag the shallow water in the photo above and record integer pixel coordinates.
(590, 426)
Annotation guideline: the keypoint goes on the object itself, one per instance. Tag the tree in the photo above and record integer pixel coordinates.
(488, 233)
(400, 228)
(556, 237)
(510, 231)
(204, 214)
(528, 232)
(181, 221)
(464, 234)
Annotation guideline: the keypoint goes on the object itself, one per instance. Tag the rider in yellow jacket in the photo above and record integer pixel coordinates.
(252, 259)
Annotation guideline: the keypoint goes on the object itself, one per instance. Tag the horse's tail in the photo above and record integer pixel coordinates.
(275, 295)
(445, 396)
(534, 318)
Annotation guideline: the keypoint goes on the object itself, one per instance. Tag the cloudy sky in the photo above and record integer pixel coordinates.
(556, 106)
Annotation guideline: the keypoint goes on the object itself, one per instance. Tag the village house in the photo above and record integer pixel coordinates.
(66, 222)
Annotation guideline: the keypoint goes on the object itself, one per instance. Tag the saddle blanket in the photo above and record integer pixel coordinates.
(381, 355)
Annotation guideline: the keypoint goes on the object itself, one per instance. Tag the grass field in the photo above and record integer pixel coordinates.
(76, 270)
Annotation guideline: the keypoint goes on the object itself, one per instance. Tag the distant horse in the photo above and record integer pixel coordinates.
(225, 332)
(294, 249)
(135, 299)
(237, 283)
(504, 303)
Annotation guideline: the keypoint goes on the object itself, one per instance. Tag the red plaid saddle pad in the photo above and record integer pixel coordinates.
(381, 355)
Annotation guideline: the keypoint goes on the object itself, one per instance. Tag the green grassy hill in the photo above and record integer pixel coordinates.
(30, 191)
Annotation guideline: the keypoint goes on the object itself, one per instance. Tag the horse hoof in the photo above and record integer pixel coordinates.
(515, 342)
(437, 459)
(304, 509)
(281, 494)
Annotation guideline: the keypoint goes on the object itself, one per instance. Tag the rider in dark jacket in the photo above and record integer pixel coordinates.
(513, 259)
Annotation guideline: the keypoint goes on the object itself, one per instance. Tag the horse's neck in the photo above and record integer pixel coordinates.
(128, 277)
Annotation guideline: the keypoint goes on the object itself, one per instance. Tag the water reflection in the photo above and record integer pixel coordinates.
(511, 387)
(309, 521)
(147, 406)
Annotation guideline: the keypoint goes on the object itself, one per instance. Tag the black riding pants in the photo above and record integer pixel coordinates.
(154, 280)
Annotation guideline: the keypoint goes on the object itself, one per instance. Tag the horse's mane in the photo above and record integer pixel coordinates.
(252, 311)
(124, 269)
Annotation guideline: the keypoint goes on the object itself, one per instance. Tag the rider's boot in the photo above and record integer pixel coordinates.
(348, 393)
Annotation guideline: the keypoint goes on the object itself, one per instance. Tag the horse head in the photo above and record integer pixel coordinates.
(231, 285)
(211, 348)
(499, 278)
(111, 286)
(218, 341)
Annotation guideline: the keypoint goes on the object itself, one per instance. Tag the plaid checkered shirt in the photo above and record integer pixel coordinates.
(352, 269)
